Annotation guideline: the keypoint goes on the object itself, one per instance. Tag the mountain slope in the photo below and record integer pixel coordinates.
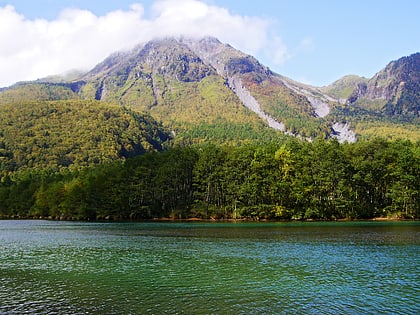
(388, 104)
(394, 91)
(343, 88)
(172, 83)
(187, 82)
(39, 91)
(281, 102)
(61, 134)
(202, 89)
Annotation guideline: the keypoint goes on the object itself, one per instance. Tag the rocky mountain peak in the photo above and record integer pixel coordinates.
(227, 60)
(167, 56)
(393, 90)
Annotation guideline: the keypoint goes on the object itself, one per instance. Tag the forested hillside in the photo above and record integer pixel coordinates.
(71, 134)
(38, 91)
(323, 180)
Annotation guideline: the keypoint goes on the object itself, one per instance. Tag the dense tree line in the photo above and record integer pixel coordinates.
(292, 180)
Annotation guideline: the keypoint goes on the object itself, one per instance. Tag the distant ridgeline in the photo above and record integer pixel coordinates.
(186, 128)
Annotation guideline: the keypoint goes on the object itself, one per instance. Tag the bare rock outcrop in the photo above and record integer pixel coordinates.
(343, 133)
(235, 83)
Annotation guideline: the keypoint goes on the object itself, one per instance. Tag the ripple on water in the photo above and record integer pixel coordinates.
(202, 269)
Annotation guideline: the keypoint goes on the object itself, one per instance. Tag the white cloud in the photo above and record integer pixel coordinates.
(32, 49)
(307, 44)
(278, 52)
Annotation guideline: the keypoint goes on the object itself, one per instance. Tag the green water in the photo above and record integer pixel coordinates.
(209, 268)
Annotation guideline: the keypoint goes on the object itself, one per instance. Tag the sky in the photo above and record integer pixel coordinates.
(311, 41)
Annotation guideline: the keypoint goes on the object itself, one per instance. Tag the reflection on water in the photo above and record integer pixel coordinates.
(209, 268)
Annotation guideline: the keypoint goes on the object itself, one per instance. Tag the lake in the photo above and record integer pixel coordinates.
(49, 267)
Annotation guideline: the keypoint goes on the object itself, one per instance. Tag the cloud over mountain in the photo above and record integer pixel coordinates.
(35, 48)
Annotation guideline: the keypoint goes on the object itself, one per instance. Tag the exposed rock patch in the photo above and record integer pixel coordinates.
(321, 107)
(235, 83)
(343, 133)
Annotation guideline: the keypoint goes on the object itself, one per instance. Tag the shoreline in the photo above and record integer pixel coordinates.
(211, 220)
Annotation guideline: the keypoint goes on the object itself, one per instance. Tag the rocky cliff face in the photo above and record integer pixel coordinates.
(227, 60)
(395, 90)
(167, 57)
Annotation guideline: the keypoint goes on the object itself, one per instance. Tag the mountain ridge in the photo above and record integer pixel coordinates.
(186, 82)
(396, 88)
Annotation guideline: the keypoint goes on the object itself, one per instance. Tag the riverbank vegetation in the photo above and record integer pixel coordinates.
(323, 180)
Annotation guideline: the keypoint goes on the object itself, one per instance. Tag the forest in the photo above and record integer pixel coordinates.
(290, 180)
(72, 134)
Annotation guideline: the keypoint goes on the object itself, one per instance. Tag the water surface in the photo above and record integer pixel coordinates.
(49, 267)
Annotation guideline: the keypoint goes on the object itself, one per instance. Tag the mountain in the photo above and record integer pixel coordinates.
(343, 88)
(394, 90)
(283, 104)
(202, 89)
(386, 105)
(188, 84)
(168, 80)
(73, 133)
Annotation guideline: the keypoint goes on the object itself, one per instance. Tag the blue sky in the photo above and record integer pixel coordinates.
(315, 42)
